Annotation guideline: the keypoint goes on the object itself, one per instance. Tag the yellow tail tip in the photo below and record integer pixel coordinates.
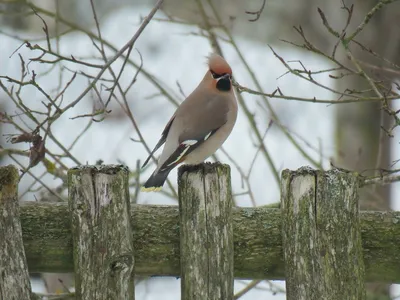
(151, 189)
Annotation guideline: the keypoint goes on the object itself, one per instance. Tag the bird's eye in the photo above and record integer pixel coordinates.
(215, 75)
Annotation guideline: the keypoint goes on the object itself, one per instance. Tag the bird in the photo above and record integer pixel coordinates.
(199, 126)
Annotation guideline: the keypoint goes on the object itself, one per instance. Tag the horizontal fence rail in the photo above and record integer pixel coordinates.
(327, 246)
(258, 253)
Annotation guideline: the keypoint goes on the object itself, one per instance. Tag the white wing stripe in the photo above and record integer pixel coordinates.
(180, 156)
(207, 136)
(189, 142)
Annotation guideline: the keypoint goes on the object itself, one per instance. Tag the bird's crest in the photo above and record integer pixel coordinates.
(218, 64)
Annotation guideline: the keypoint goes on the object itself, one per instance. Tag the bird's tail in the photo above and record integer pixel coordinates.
(156, 181)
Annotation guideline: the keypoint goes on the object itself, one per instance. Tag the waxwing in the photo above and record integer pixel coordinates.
(200, 125)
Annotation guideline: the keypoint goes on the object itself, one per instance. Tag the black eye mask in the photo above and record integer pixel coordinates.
(215, 75)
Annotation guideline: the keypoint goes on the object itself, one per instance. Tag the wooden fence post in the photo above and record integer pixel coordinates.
(321, 235)
(14, 276)
(206, 251)
(101, 232)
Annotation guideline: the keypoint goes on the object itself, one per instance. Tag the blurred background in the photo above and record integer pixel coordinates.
(280, 48)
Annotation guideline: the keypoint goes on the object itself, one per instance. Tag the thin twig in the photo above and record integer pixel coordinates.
(257, 13)
(129, 44)
(246, 289)
(367, 18)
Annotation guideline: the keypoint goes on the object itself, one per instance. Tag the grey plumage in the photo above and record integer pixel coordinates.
(200, 125)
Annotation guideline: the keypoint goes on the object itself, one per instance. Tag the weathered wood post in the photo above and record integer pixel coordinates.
(321, 235)
(14, 276)
(206, 251)
(101, 232)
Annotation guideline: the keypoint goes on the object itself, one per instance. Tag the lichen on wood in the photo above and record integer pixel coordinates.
(321, 235)
(258, 252)
(206, 245)
(14, 276)
(101, 232)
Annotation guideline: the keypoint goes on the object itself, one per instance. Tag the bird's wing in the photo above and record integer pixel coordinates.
(164, 135)
(200, 120)
(184, 149)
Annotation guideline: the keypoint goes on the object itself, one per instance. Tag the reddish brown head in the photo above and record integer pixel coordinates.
(218, 65)
(219, 75)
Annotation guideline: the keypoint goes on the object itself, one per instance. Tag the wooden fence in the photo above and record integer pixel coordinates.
(328, 247)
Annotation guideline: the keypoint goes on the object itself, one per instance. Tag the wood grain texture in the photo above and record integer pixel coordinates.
(257, 237)
(206, 245)
(101, 232)
(14, 276)
(321, 235)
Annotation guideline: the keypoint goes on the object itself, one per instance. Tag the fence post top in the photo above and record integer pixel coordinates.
(206, 168)
(104, 169)
(307, 170)
(8, 174)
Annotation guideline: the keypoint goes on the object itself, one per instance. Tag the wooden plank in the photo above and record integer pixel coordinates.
(321, 235)
(206, 244)
(101, 232)
(258, 253)
(14, 275)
